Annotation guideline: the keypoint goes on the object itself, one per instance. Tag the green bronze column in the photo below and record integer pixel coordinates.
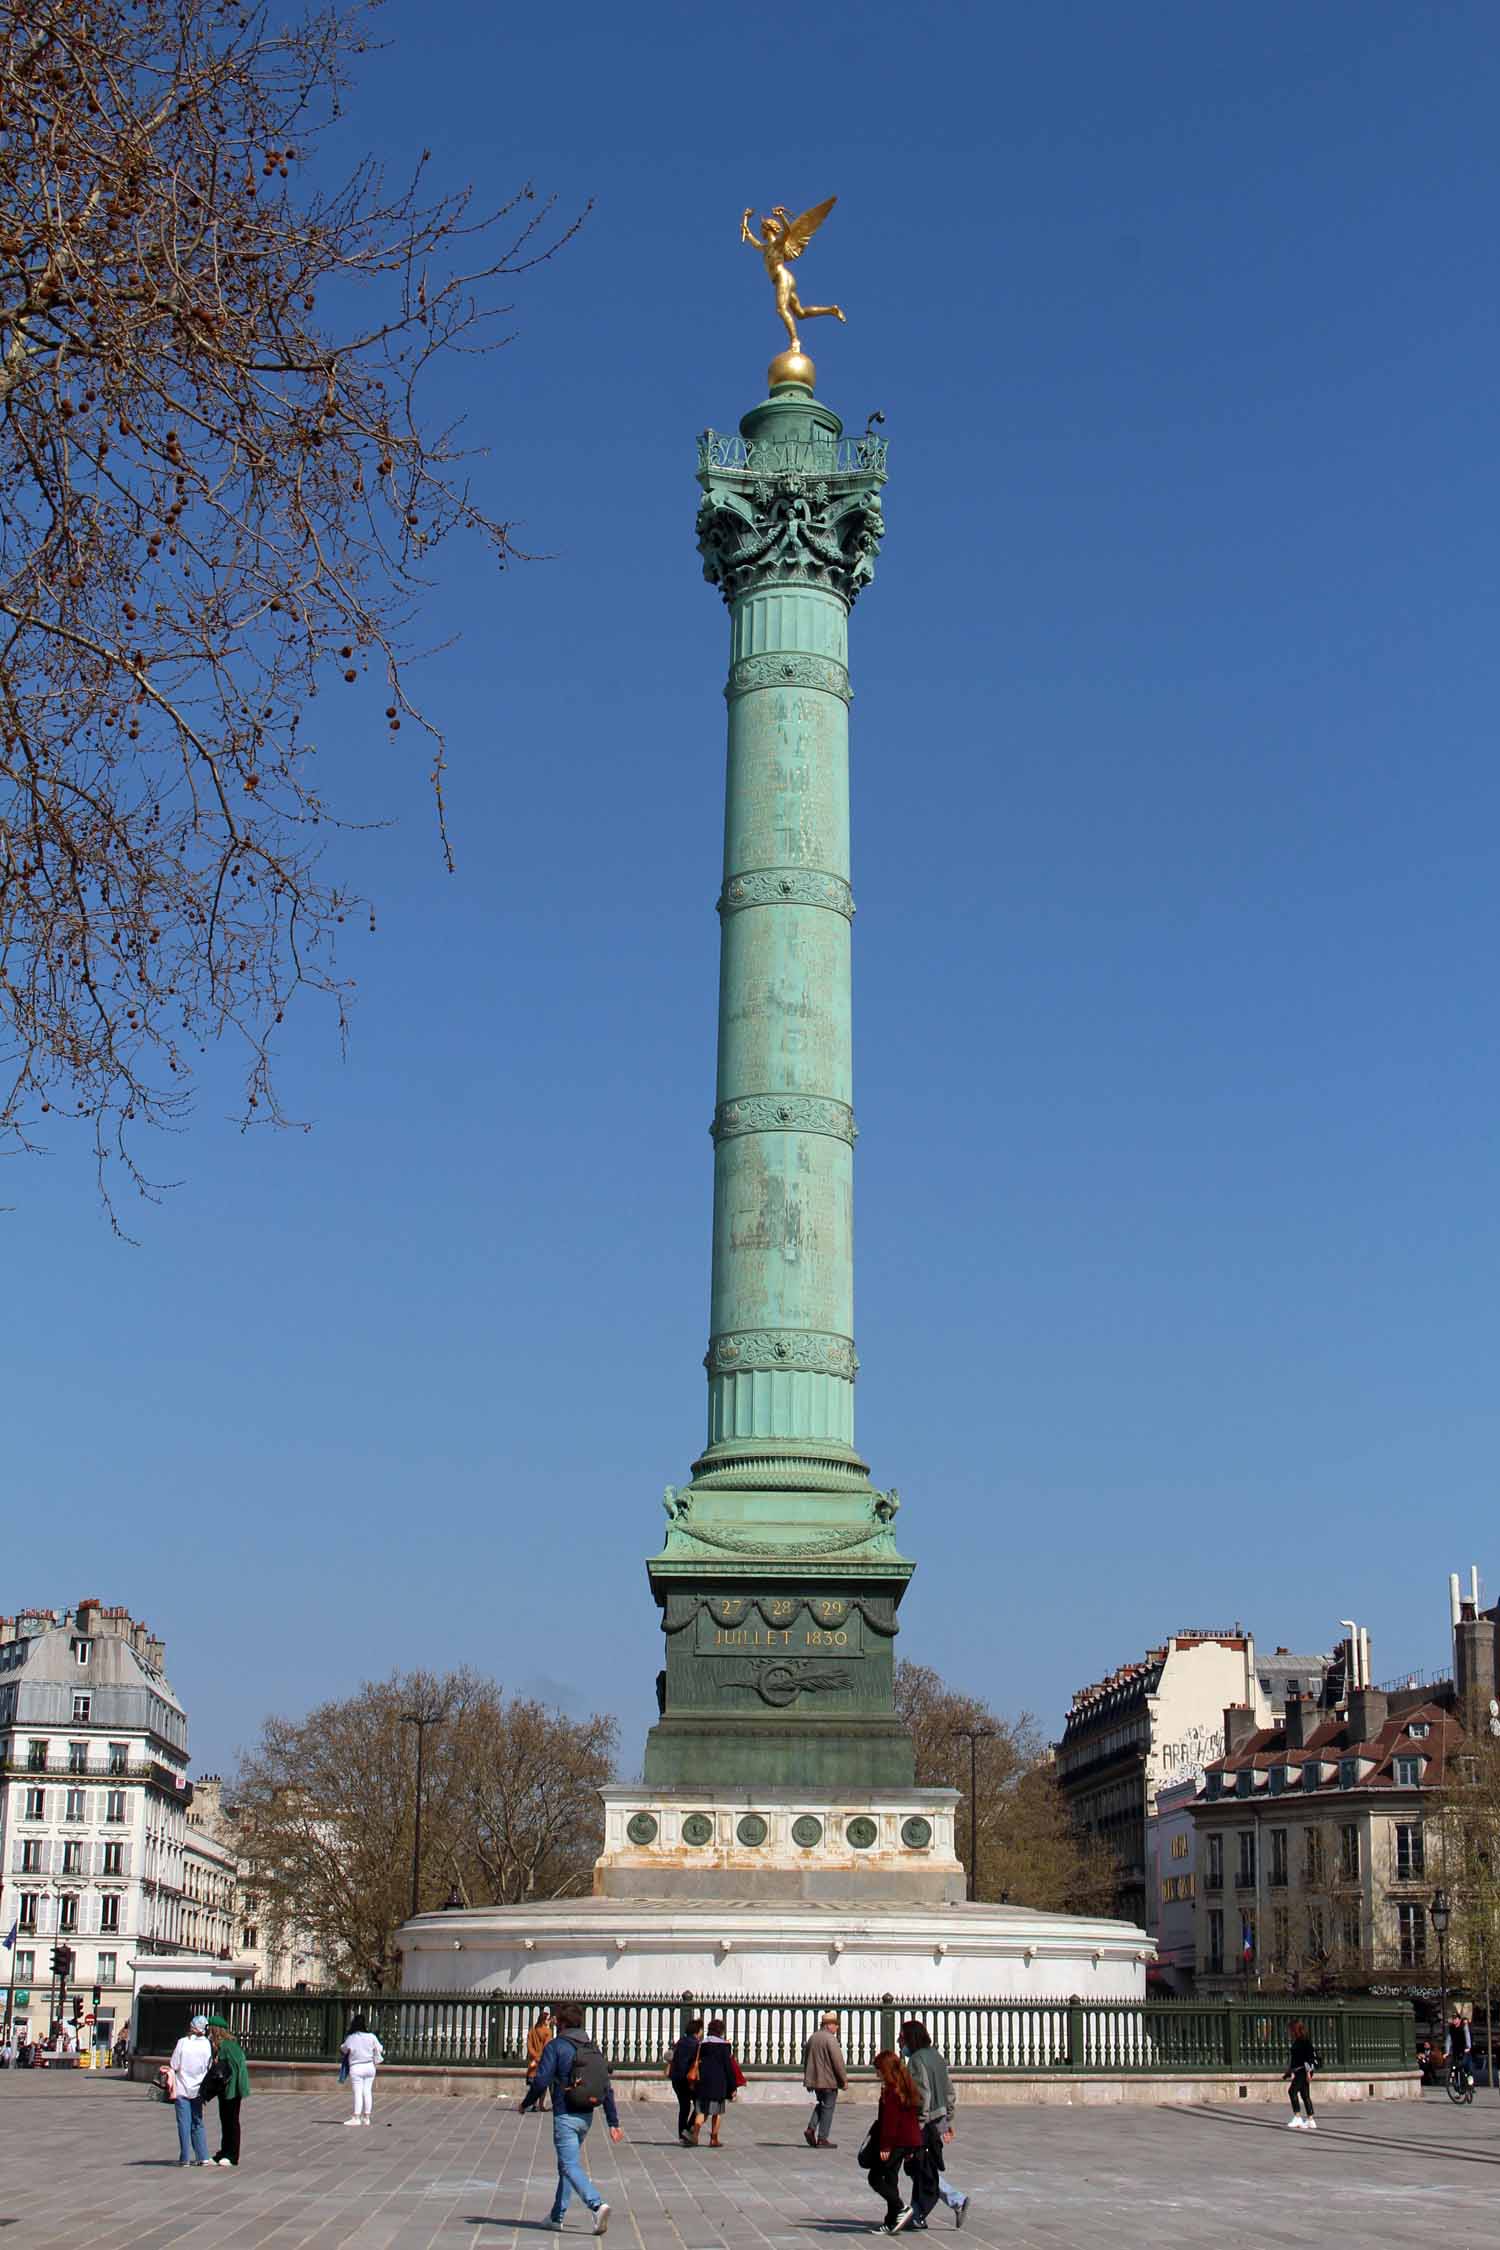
(779, 1577)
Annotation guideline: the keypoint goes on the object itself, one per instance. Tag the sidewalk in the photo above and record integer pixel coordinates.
(92, 2161)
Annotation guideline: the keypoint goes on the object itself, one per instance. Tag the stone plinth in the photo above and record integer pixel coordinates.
(893, 1846)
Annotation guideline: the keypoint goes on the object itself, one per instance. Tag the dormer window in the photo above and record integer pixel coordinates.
(1278, 1780)
(1348, 1772)
(82, 1650)
(1244, 1782)
(1407, 1773)
(1214, 1783)
(1419, 1730)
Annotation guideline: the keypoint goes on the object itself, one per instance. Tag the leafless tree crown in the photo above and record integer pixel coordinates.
(219, 497)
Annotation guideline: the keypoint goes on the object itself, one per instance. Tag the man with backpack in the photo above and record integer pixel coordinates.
(578, 2074)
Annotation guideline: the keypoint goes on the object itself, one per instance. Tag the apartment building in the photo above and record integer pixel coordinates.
(93, 1806)
(1158, 1721)
(281, 1954)
(1314, 1838)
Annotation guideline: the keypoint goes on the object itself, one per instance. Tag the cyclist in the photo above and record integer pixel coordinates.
(1461, 2049)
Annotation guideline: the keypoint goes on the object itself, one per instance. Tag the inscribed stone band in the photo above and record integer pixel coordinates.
(784, 1113)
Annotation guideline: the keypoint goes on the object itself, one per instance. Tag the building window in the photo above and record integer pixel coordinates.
(114, 1859)
(1312, 1858)
(1315, 1942)
(36, 1757)
(67, 1912)
(1244, 1879)
(72, 1860)
(251, 1938)
(28, 1912)
(1280, 1936)
(82, 1650)
(78, 1757)
(1419, 1730)
(1213, 1878)
(114, 1805)
(109, 1914)
(1213, 1783)
(1351, 1935)
(36, 1804)
(1408, 1773)
(73, 1810)
(1278, 1780)
(82, 1706)
(107, 1969)
(1411, 1856)
(1215, 1941)
(1278, 1861)
(119, 1757)
(1413, 1922)
(1348, 1772)
(1310, 1773)
(1349, 1853)
(31, 1856)
(25, 1966)
(1244, 1782)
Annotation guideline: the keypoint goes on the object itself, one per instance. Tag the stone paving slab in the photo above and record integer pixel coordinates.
(90, 2161)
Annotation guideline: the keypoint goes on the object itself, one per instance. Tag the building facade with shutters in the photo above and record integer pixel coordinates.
(1157, 1722)
(94, 1839)
(1315, 1842)
(280, 1953)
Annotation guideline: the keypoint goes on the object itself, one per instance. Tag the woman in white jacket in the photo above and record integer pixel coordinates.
(364, 2054)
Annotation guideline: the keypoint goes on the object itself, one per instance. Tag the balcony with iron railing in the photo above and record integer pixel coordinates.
(857, 458)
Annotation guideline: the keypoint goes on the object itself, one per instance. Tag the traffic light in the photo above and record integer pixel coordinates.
(59, 1960)
(77, 2007)
(98, 1994)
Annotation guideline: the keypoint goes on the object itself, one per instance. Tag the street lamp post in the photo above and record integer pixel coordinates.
(428, 1716)
(974, 1736)
(1442, 1913)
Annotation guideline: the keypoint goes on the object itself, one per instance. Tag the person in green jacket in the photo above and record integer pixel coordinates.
(230, 2056)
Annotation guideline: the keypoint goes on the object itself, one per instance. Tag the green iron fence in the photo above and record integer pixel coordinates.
(472, 2031)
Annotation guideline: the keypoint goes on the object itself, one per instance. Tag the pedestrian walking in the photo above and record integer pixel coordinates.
(577, 2075)
(895, 2136)
(233, 2074)
(930, 2070)
(1301, 2063)
(189, 2067)
(682, 2070)
(537, 2040)
(719, 2078)
(825, 2076)
(364, 2055)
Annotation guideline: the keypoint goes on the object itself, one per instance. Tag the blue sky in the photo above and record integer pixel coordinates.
(1175, 823)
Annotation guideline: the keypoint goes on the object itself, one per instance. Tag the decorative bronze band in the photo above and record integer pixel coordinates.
(790, 670)
(803, 1350)
(787, 886)
(784, 1113)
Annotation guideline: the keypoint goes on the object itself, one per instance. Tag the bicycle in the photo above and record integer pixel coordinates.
(1460, 2083)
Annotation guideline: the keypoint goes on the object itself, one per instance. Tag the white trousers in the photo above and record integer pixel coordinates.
(362, 2079)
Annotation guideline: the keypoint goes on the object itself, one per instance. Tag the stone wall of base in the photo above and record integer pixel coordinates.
(1050, 2089)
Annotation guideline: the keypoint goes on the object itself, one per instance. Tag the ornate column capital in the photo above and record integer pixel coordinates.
(788, 528)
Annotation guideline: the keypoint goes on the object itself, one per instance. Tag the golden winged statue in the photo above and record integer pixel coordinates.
(781, 239)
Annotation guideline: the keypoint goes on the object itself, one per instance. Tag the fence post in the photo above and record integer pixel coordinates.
(888, 2020)
(332, 2016)
(1076, 2054)
(685, 2012)
(1341, 2034)
(1231, 2035)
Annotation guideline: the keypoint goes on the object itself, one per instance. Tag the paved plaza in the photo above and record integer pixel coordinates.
(93, 2161)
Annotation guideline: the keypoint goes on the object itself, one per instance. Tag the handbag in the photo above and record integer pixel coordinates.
(869, 2148)
(215, 2081)
(343, 2070)
(736, 2073)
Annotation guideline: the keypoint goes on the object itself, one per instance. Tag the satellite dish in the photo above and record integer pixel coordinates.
(1494, 1708)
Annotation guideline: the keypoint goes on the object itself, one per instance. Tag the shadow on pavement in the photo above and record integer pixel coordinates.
(1334, 2136)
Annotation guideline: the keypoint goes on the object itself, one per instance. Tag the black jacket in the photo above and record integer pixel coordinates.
(715, 2072)
(1303, 2056)
(685, 2054)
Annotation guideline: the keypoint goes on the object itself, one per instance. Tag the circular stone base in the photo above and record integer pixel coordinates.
(659, 1948)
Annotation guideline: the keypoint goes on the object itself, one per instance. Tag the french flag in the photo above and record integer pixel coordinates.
(1247, 1938)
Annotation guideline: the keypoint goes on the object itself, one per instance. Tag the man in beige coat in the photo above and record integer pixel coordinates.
(825, 2077)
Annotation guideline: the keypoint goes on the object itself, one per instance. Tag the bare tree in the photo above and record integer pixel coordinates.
(219, 496)
(1031, 1851)
(327, 1807)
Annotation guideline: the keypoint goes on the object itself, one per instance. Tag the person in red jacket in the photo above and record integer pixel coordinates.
(895, 2135)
